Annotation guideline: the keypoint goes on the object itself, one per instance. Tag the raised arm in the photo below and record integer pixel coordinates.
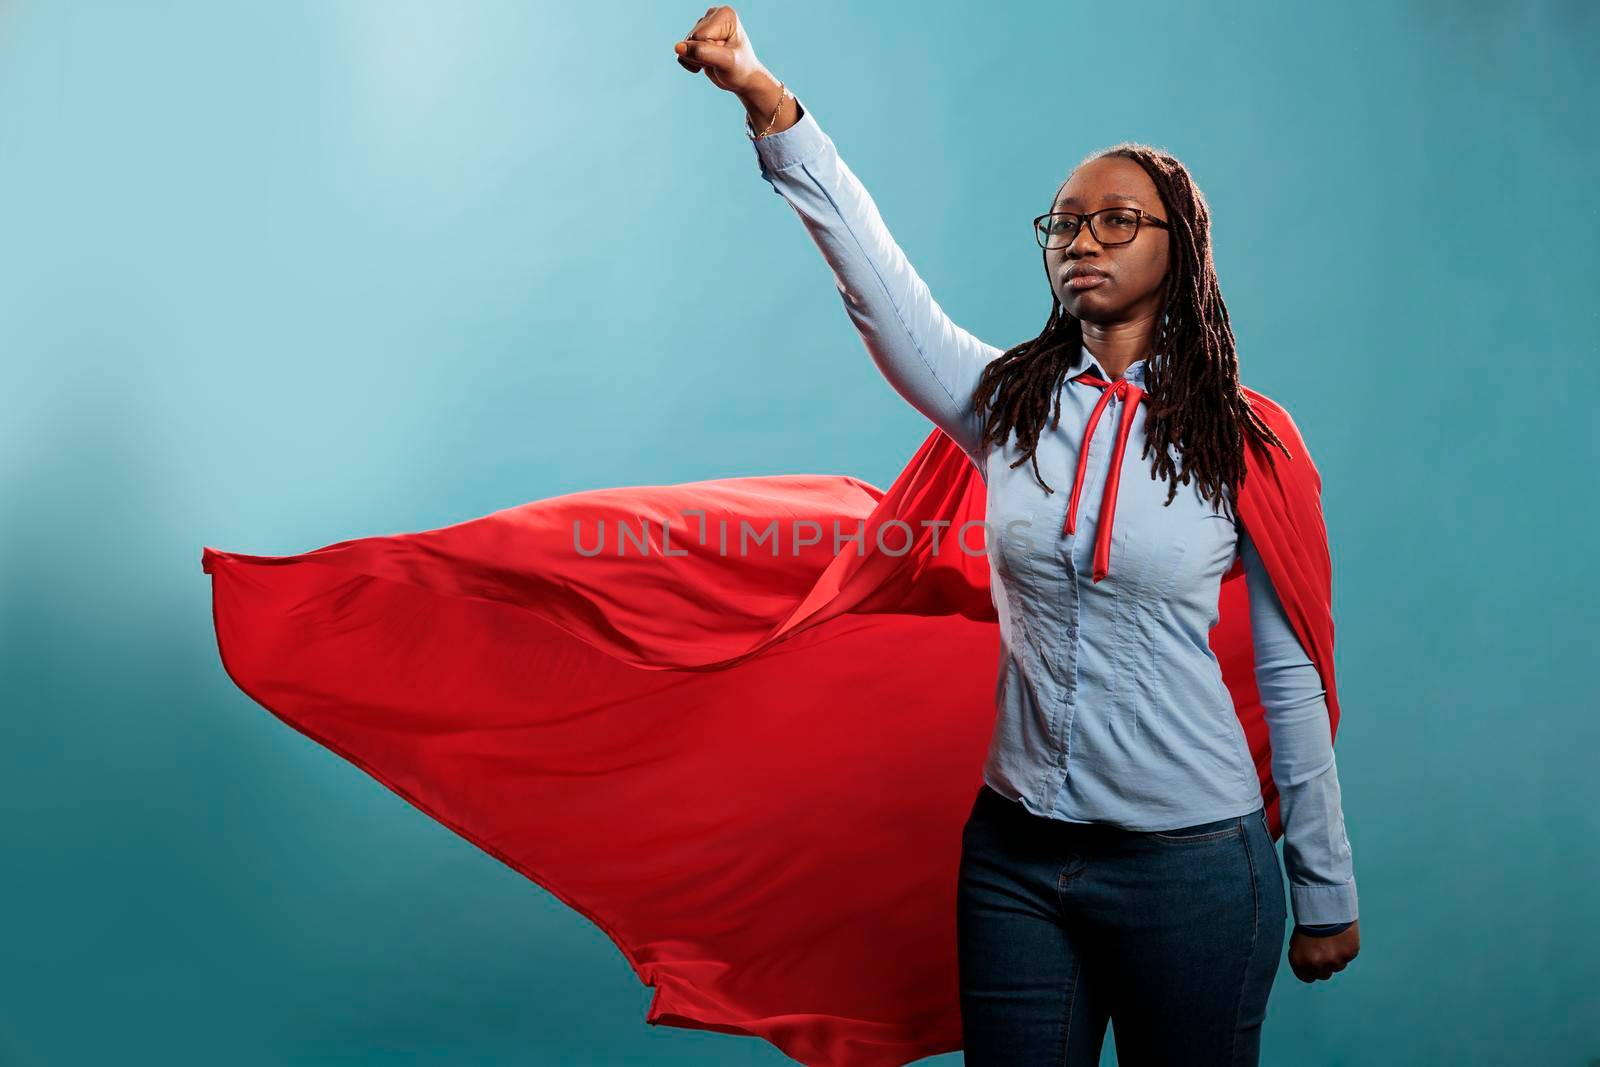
(929, 360)
(1316, 851)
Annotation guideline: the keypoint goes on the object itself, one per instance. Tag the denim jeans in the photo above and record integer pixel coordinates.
(1174, 937)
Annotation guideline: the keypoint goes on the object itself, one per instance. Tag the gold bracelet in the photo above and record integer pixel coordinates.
(782, 96)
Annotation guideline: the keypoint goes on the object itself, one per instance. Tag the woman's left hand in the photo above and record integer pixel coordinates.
(1314, 958)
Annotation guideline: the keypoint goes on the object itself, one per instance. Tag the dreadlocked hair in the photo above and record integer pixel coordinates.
(1192, 379)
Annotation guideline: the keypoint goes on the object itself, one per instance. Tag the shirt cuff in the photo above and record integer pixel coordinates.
(787, 148)
(1318, 905)
(1324, 931)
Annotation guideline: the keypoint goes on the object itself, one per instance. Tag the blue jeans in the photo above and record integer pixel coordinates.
(1172, 936)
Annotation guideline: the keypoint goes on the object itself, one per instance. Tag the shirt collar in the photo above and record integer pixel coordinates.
(1086, 361)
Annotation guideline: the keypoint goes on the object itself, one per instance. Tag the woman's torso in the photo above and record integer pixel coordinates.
(1110, 703)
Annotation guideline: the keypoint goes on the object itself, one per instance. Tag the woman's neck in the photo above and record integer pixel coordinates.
(1116, 349)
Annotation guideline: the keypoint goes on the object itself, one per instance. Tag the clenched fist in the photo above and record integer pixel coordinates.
(1320, 958)
(718, 45)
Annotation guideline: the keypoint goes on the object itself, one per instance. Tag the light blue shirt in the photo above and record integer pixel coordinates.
(1110, 703)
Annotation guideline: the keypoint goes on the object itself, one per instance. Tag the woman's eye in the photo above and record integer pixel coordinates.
(1122, 219)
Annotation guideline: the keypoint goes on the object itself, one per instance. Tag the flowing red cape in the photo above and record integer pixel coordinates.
(750, 770)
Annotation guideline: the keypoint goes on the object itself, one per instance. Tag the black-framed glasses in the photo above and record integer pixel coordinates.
(1056, 230)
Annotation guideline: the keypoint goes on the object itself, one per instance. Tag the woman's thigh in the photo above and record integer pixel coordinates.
(1192, 926)
(1026, 995)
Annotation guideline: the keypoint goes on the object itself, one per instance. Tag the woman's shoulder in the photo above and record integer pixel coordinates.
(1274, 415)
(1277, 417)
(1268, 407)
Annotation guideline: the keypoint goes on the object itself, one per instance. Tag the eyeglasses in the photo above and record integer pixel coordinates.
(1110, 226)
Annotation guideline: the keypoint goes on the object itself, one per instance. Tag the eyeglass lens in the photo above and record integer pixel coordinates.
(1110, 227)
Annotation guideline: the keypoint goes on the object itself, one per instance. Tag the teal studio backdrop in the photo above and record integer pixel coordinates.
(274, 275)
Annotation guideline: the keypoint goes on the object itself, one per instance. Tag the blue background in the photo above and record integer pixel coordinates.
(273, 275)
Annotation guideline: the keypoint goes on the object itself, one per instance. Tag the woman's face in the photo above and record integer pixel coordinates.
(1118, 282)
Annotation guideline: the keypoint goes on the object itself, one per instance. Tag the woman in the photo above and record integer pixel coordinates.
(754, 769)
(1117, 863)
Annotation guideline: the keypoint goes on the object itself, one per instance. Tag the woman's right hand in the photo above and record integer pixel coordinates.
(718, 45)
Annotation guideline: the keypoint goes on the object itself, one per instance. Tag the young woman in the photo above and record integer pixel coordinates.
(1117, 864)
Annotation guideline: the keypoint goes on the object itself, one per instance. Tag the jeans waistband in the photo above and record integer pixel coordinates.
(1014, 810)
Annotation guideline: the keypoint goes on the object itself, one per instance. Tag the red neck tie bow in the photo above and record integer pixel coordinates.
(1108, 500)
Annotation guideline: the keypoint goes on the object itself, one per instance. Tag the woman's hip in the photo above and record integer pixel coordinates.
(1220, 878)
(1176, 935)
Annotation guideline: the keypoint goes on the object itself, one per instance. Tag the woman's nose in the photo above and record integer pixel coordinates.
(1082, 242)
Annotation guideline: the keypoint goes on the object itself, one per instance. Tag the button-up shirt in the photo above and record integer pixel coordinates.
(1111, 705)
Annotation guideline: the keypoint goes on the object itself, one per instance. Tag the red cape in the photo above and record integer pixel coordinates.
(751, 772)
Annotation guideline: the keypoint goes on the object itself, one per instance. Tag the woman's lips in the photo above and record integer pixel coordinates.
(1086, 281)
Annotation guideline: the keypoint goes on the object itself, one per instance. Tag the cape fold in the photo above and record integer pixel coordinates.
(750, 768)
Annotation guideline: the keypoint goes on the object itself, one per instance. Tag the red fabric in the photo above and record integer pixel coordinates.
(751, 771)
(1132, 395)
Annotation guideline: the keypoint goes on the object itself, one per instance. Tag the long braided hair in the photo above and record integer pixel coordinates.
(1192, 378)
